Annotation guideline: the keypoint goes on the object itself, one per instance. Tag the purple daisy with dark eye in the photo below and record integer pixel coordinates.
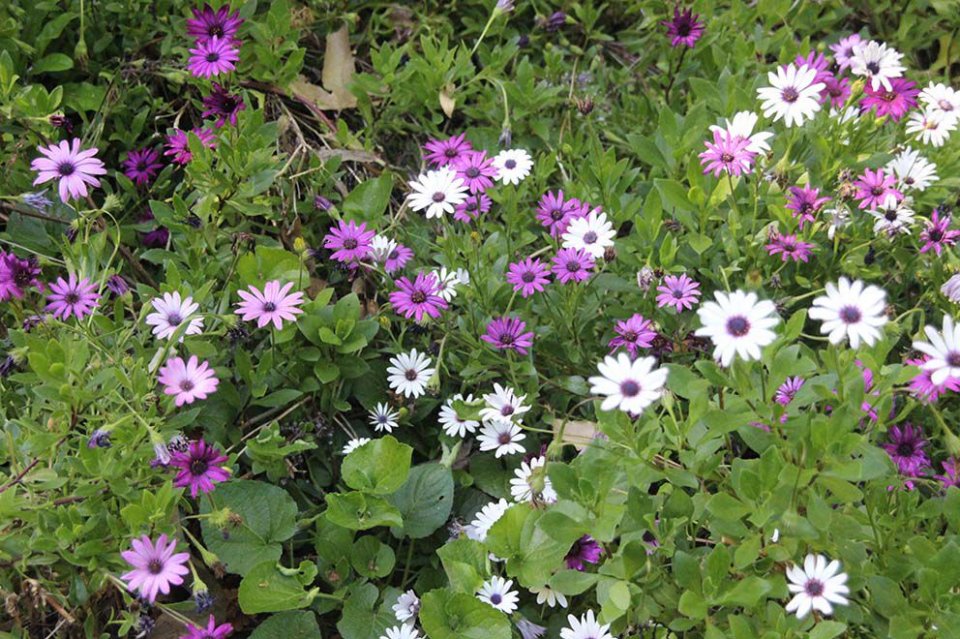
(17, 275)
(805, 202)
(142, 165)
(223, 105)
(213, 57)
(155, 566)
(440, 153)
(584, 550)
(507, 334)
(633, 333)
(200, 467)
(788, 390)
(528, 276)
(72, 168)
(937, 235)
(207, 23)
(349, 241)
(684, 29)
(476, 170)
(73, 296)
(906, 449)
(472, 208)
(678, 291)
(572, 265)
(418, 298)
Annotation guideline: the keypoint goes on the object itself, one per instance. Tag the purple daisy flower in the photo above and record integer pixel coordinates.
(213, 57)
(572, 265)
(805, 202)
(471, 208)
(72, 168)
(678, 291)
(906, 449)
(789, 247)
(274, 304)
(585, 549)
(187, 381)
(528, 276)
(507, 334)
(440, 153)
(349, 241)
(836, 90)
(895, 102)
(843, 50)
(117, 285)
(937, 234)
(207, 23)
(873, 187)
(142, 165)
(633, 334)
(212, 631)
(157, 238)
(155, 567)
(684, 29)
(199, 467)
(72, 296)
(788, 390)
(418, 298)
(476, 170)
(555, 213)
(727, 152)
(922, 386)
(397, 258)
(17, 275)
(814, 60)
(951, 473)
(223, 105)
(177, 144)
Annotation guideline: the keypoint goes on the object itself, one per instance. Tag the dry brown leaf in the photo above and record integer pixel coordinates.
(577, 432)
(338, 69)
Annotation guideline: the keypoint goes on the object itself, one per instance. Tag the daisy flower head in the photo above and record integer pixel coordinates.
(931, 127)
(407, 607)
(170, 311)
(448, 280)
(873, 187)
(476, 170)
(141, 165)
(212, 57)
(893, 217)
(894, 101)
(528, 629)
(727, 153)
(738, 324)
(836, 91)
(572, 265)
(906, 449)
(397, 258)
(178, 143)
(877, 62)
(502, 437)
(547, 595)
(383, 418)
(437, 192)
(472, 208)
(155, 566)
(837, 219)
(804, 203)
(273, 304)
(200, 467)
(211, 631)
(403, 631)
(951, 288)
(684, 29)
(485, 518)
(633, 333)
(938, 234)
(678, 291)
(452, 423)
(912, 170)
(72, 296)
(508, 334)
(528, 276)
(951, 473)
(207, 23)
(187, 381)
(409, 373)
(585, 550)
(223, 105)
(593, 234)
(628, 384)
(943, 349)
(349, 241)
(741, 126)
(503, 404)
(513, 165)
(72, 168)
(817, 586)
(17, 275)
(418, 298)
(851, 311)
(789, 247)
(788, 390)
(586, 627)
(793, 94)
(942, 99)
(843, 50)
(354, 444)
(381, 247)
(922, 386)
(554, 212)
(496, 592)
(530, 483)
(441, 153)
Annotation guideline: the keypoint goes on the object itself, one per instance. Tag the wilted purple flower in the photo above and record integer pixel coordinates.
(99, 439)
(37, 201)
(554, 21)
(951, 473)
(788, 390)
(321, 203)
(117, 285)
(223, 105)
(157, 238)
(585, 549)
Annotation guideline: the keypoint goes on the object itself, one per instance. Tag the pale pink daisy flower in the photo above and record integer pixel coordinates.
(187, 381)
(72, 296)
(155, 567)
(73, 168)
(678, 291)
(271, 305)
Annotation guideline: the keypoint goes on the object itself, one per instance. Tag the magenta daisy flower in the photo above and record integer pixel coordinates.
(272, 305)
(77, 297)
(155, 567)
(213, 57)
(177, 144)
(895, 102)
(727, 152)
(678, 291)
(440, 153)
(349, 241)
(418, 298)
(471, 208)
(843, 50)
(212, 631)
(873, 187)
(633, 334)
(223, 105)
(207, 23)
(906, 449)
(142, 165)
(572, 265)
(788, 390)
(74, 169)
(789, 247)
(951, 473)
(397, 258)
(684, 29)
(555, 213)
(804, 203)
(922, 386)
(187, 381)
(938, 234)
(584, 550)
(528, 276)
(507, 334)
(155, 238)
(476, 170)
(816, 61)
(199, 467)
(835, 91)
(17, 275)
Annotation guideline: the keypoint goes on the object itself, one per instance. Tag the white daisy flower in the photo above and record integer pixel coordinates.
(532, 484)
(877, 62)
(586, 627)
(530, 630)
(407, 607)
(496, 592)
(943, 349)
(448, 282)
(893, 217)
(549, 596)
(484, 520)
(593, 234)
(503, 405)
(438, 192)
(403, 631)
(951, 289)
(742, 126)
(738, 325)
(409, 373)
(383, 418)
(630, 385)
(913, 171)
(170, 311)
(850, 310)
(837, 218)
(793, 95)
(816, 586)
(930, 127)
(354, 444)
(513, 165)
(501, 437)
(381, 247)
(940, 98)
(454, 425)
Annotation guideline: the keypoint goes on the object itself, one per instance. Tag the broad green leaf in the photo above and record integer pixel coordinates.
(449, 615)
(424, 500)
(289, 625)
(380, 467)
(267, 588)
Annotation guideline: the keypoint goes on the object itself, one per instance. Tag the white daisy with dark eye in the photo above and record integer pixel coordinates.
(437, 192)
(943, 349)
(383, 418)
(586, 627)
(817, 586)
(878, 63)
(503, 404)
(852, 311)
(496, 592)
(512, 165)
(738, 324)
(170, 311)
(793, 94)
(593, 234)
(627, 384)
(409, 373)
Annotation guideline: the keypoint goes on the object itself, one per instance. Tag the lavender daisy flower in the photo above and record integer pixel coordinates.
(397, 258)
(212, 631)
(789, 247)
(572, 265)
(99, 439)
(155, 566)
(555, 213)
(727, 153)
(937, 234)
(873, 187)
(72, 168)
(836, 90)
(476, 170)
(213, 57)
(17, 275)
(804, 203)
(584, 550)
(349, 241)
(272, 305)
(207, 23)
(117, 285)
(843, 50)
(187, 381)
(684, 29)
(507, 334)
(170, 311)
(632, 334)
(142, 165)
(223, 105)
(678, 291)
(906, 449)
(199, 467)
(440, 153)
(471, 208)
(72, 296)
(178, 146)
(951, 473)
(418, 298)
(788, 390)
(528, 276)
(894, 101)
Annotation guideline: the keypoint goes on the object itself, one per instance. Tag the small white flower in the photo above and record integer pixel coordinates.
(877, 62)
(837, 218)
(951, 289)
(454, 425)
(354, 444)
(496, 592)
(532, 484)
(593, 234)
(893, 217)
(409, 373)
(849, 310)
(513, 165)
(501, 437)
(793, 95)
(930, 127)
(738, 324)
(407, 607)
(630, 385)
(403, 631)
(381, 247)
(742, 126)
(775, 537)
(503, 405)
(484, 520)
(940, 98)
(549, 596)
(170, 311)
(530, 630)
(448, 282)
(913, 171)
(586, 627)
(816, 586)
(383, 418)
(439, 192)
(943, 349)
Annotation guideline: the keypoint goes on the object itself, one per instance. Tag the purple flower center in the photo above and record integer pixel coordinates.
(738, 326)
(726, 158)
(507, 410)
(589, 237)
(850, 314)
(66, 168)
(141, 166)
(936, 235)
(269, 307)
(411, 374)
(556, 214)
(953, 359)
(495, 598)
(350, 244)
(504, 439)
(186, 386)
(418, 297)
(528, 277)
(174, 319)
(906, 449)
(215, 30)
(890, 215)
(450, 152)
(510, 164)
(789, 94)
(629, 388)
(873, 67)
(573, 266)
(814, 588)
(213, 56)
(198, 466)
(472, 172)
(945, 106)
(155, 567)
(506, 339)
(877, 190)
(630, 336)
(439, 196)
(71, 298)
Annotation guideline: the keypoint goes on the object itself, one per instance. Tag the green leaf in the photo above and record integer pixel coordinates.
(52, 63)
(265, 588)
(357, 511)
(424, 500)
(359, 620)
(827, 630)
(371, 558)
(289, 625)
(747, 592)
(369, 200)
(451, 615)
(573, 582)
(673, 195)
(465, 562)
(379, 467)
(692, 605)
